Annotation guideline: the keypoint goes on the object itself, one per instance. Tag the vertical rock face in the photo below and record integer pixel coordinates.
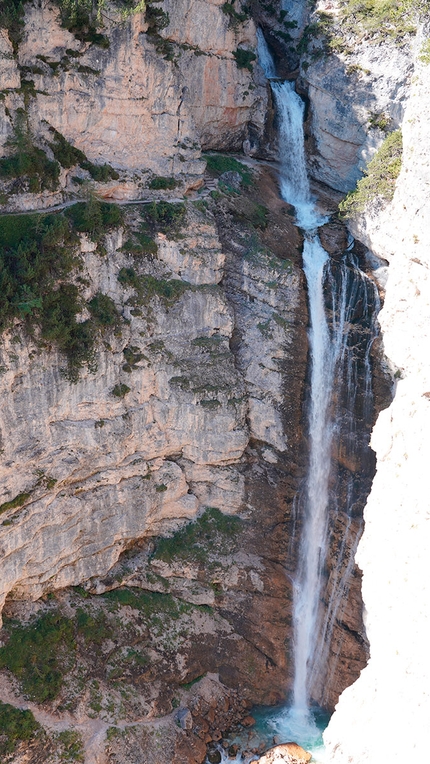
(135, 104)
(193, 405)
(392, 691)
(349, 96)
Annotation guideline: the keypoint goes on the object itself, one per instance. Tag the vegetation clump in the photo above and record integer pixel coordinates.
(218, 164)
(15, 726)
(120, 390)
(148, 286)
(163, 216)
(15, 503)
(12, 19)
(140, 244)
(244, 58)
(424, 55)
(72, 748)
(69, 156)
(149, 603)
(379, 19)
(38, 654)
(373, 20)
(211, 531)
(94, 217)
(104, 310)
(38, 256)
(161, 183)
(28, 163)
(380, 176)
(235, 17)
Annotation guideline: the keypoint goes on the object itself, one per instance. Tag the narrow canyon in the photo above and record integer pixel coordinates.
(215, 386)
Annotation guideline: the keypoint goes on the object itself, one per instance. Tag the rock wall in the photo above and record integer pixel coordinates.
(207, 418)
(142, 109)
(383, 715)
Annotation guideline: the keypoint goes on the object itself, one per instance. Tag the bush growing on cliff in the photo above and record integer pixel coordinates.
(12, 19)
(212, 530)
(38, 654)
(220, 163)
(379, 177)
(164, 216)
(94, 217)
(244, 58)
(15, 726)
(383, 18)
(28, 163)
(38, 254)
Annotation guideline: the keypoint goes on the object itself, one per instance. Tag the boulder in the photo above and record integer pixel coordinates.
(287, 753)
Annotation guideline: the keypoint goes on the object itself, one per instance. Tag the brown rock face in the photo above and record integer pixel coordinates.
(334, 238)
(287, 753)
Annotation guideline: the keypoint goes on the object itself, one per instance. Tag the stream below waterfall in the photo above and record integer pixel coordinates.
(343, 306)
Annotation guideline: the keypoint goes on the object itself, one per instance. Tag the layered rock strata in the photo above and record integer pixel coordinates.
(140, 107)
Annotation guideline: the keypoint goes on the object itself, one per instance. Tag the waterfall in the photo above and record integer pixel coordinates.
(343, 304)
(264, 57)
(294, 181)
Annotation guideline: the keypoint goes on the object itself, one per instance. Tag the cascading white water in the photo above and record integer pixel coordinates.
(294, 181)
(264, 57)
(343, 305)
(333, 361)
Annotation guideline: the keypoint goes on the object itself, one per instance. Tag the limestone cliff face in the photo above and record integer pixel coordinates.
(110, 456)
(392, 692)
(142, 109)
(208, 418)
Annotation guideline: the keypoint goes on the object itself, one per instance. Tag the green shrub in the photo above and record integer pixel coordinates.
(94, 628)
(37, 654)
(12, 19)
(379, 177)
(159, 183)
(382, 18)
(219, 163)
(18, 501)
(103, 310)
(60, 328)
(35, 250)
(141, 244)
(244, 58)
(149, 603)
(94, 217)
(120, 391)
(66, 154)
(235, 18)
(71, 745)
(101, 173)
(28, 161)
(37, 255)
(211, 531)
(424, 55)
(156, 18)
(15, 726)
(82, 17)
(147, 286)
(164, 216)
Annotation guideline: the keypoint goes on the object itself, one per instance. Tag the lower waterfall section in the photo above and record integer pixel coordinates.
(329, 647)
(343, 307)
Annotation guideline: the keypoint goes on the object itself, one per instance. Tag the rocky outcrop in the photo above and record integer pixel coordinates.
(128, 104)
(287, 753)
(392, 691)
(355, 97)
